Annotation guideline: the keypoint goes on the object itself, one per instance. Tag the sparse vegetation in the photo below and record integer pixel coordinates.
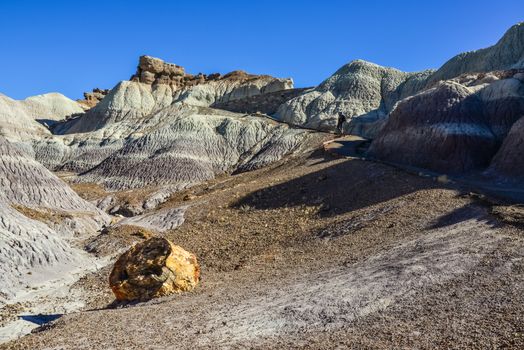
(46, 216)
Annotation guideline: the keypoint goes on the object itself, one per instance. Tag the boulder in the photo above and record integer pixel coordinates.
(153, 268)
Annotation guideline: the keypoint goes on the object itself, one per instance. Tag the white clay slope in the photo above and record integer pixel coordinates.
(28, 245)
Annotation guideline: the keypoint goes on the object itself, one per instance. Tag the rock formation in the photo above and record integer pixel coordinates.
(25, 122)
(152, 70)
(509, 160)
(502, 94)
(230, 87)
(16, 123)
(165, 130)
(156, 133)
(455, 126)
(363, 92)
(189, 145)
(204, 90)
(158, 84)
(51, 107)
(139, 126)
(30, 249)
(507, 53)
(39, 216)
(153, 268)
(441, 129)
(23, 181)
(22, 120)
(266, 103)
(92, 98)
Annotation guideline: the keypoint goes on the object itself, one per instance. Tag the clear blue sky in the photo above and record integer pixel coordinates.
(73, 46)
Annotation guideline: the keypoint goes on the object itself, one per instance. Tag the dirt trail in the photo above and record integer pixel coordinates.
(321, 252)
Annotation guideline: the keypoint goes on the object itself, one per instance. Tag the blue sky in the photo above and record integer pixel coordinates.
(74, 46)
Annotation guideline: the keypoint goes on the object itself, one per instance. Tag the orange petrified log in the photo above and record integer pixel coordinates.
(153, 268)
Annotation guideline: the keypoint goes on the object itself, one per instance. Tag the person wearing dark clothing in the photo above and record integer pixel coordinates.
(341, 119)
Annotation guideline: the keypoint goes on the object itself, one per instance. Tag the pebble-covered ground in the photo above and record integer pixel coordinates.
(322, 253)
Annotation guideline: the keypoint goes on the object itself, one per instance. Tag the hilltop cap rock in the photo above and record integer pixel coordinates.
(153, 268)
(157, 66)
(152, 70)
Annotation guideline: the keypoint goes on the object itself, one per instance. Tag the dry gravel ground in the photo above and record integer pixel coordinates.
(322, 253)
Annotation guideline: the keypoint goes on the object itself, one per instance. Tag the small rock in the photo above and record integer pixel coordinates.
(189, 197)
(443, 179)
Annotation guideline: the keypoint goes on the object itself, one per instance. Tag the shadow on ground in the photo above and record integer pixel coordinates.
(467, 212)
(40, 319)
(343, 187)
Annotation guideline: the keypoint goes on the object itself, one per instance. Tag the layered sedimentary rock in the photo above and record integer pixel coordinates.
(455, 126)
(230, 87)
(178, 145)
(157, 132)
(509, 160)
(51, 107)
(16, 123)
(202, 89)
(153, 268)
(129, 101)
(26, 182)
(139, 136)
(152, 70)
(157, 85)
(186, 145)
(507, 53)
(441, 129)
(28, 250)
(92, 98)
(22, 120)
(502, 94)
(266, 103)
(39, 216)
(364, 93)
(25, 122)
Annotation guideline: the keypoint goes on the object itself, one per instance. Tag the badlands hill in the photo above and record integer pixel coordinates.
(365, 93)
(456, 126)
(155, 133)
(42, 218)
(298, 247)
